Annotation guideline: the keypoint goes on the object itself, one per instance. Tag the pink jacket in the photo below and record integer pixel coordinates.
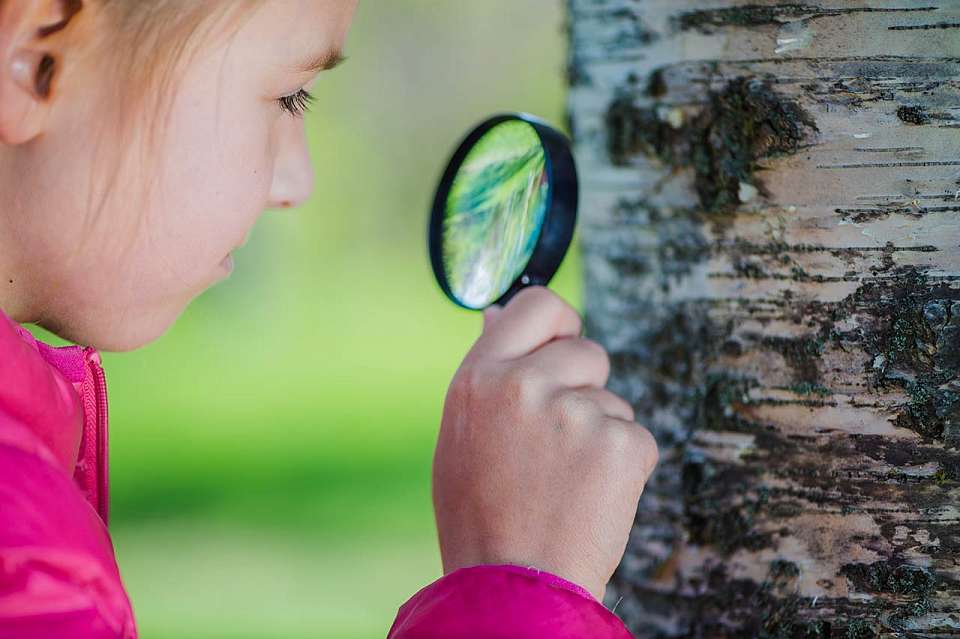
(58, 574)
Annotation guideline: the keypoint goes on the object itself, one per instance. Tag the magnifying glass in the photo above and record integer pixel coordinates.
(505, 211)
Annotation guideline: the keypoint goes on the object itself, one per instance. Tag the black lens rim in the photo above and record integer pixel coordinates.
(561, 216)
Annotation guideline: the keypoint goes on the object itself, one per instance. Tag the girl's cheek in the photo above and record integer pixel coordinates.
(245, 189)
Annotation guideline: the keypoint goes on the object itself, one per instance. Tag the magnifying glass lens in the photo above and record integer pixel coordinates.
(505, 211)
(495, 212)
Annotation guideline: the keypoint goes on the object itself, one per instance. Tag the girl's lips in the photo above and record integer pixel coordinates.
(227, 263)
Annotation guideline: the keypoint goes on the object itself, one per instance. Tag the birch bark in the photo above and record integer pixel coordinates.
(771, 197)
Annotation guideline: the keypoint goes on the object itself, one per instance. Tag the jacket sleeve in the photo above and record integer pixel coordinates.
(58, 575)
(505, 602)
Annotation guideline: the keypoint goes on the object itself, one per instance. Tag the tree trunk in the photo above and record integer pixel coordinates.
(770, 207)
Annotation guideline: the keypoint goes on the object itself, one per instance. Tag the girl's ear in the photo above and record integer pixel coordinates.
(32, 54)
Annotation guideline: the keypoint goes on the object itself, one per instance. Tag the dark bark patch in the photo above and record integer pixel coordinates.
(889, 578)
(674, 351)
(860, 629)
(710, 520)
(745, 609)
(751, 15)
(728, 530)
(810, 388)
(913, 586)
(900, 453)
(863, 215)
(739, 125)
(913, 114)
(783, 621)
(754, 15)
(634, 35)
(801, 354)
(916, 345)
(714, 514)
(656, 85)
(630, 265)
(719, 402)
(681, 243)
(781, 568)
(910, 328)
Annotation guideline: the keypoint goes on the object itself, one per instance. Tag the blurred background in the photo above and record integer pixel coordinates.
(271, 454)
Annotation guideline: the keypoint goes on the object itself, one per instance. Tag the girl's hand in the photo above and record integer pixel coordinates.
(536, 463)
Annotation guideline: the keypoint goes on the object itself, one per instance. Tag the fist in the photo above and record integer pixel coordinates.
(537, 464)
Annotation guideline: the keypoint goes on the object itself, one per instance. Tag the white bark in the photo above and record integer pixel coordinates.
(786, 319)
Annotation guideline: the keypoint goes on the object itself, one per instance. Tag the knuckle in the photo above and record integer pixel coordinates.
(520, 383)
(619, 438)
(574, 409)
(598, 351)
(626, 407)
(634, 442)
(646, 447)
(595, 346)
(646, 440)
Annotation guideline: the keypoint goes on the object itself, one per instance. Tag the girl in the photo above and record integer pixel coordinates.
(192, 111)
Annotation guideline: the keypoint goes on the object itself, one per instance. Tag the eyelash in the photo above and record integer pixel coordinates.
(297, 104)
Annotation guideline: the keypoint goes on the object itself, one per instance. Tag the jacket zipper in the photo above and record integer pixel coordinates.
(103, 466)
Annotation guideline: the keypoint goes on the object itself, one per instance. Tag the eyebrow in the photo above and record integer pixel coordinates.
(329, 59)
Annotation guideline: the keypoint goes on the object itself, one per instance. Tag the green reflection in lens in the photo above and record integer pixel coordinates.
(495, 211)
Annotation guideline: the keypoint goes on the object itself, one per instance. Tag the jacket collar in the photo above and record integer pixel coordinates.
(59, 396)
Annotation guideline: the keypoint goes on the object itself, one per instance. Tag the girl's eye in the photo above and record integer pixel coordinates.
(297, 104)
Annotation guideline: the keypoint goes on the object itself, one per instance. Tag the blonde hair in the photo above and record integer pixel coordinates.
(144, 45)
(152, 39)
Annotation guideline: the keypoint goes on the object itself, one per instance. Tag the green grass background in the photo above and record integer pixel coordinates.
(271, 454)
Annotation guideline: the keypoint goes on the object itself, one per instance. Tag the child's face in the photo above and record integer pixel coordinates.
(227, 153)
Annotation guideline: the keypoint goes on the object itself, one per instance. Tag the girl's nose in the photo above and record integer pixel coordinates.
(293, 176)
